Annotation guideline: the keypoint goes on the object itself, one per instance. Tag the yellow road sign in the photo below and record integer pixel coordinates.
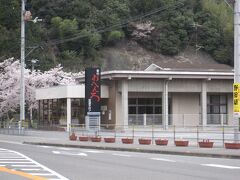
(236, 97)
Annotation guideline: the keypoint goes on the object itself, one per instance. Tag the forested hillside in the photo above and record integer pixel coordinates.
(73, 32)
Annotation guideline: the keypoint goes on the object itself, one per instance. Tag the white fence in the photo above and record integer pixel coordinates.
(181, 119)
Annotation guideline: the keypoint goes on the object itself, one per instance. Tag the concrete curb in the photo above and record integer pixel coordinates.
(184, 153)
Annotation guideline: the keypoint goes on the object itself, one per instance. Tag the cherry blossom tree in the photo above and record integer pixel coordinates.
(10, 71)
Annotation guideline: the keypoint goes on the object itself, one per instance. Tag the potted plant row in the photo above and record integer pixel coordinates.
(109, 140)
(73, 137)
(161, 142)
(127, 140)
(181, 142)
(205, 143)
(144, 141)
(232, 145)
(96, 139)
(83, 138)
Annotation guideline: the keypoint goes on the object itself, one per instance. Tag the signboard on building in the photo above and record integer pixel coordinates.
(92, 90)
(236, 98)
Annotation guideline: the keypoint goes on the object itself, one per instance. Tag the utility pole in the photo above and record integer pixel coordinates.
(22, 81)
(236, 58)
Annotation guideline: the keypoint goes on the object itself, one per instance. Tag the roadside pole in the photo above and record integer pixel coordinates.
(22, 81)
(236, 109)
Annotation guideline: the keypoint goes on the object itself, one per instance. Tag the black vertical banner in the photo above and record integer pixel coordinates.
(92, 90)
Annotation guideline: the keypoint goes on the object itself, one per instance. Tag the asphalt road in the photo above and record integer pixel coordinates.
(87, 164)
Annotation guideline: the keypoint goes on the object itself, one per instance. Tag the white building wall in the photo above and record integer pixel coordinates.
(119, 120)
(221, 86)
(145, 85)
(185, 109)
(74, 91)
(184, 85)
(231, 121)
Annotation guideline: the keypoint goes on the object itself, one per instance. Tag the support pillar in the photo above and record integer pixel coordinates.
(204, 103)
(125, 103)
(165, 104)
(68, 114)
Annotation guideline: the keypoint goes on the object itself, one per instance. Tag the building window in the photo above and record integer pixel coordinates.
(145, 106)
(152, 107)
(217, 109)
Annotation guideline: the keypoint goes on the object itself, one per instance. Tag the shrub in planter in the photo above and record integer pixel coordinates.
(96, 139)
(181, 143)
(73, 137)
(83, 138)
(109, 140)
(144, 141)
(232, 145)
(205, 144)
(161, 142)
(127, 140)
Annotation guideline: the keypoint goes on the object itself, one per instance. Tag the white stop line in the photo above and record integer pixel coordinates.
(221, 166)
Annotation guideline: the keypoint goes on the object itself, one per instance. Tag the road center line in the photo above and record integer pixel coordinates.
(69, 153)
(123, 155)
(162, 159)
(221, 166)
(93, 151)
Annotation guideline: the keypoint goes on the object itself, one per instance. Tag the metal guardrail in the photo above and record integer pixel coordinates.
(14, 128)
(218, 134)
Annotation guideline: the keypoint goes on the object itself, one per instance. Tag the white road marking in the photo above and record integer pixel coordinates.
(93, 151)
(45, 146)
(221, 166)
(66, 149)
(13, 159)
(69, 153)
(25, 165)
(2, 165)
(30, 169)
(41, 174)
(123, 155)
(43, 167)
(7, 162)
(10, 158)
(29, 166)
(162, 159)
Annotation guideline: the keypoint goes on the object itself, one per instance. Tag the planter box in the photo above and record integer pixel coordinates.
(204, 144)
(181, 143)
(232, 145)
(96, 139)
(109, 140)
(73, 137)
(144, 141)
(127, 141)
(161, 142)
(83, 138)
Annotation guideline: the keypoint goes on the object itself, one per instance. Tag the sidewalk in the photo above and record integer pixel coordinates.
(60, 139)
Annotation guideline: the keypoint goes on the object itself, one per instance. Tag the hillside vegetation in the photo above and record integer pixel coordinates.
(74, 32)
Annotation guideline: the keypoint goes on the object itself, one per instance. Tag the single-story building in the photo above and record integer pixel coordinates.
(154, 96)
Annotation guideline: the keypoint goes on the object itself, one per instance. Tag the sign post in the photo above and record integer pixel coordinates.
(236, 65)
(93, 98)
(236, 107)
